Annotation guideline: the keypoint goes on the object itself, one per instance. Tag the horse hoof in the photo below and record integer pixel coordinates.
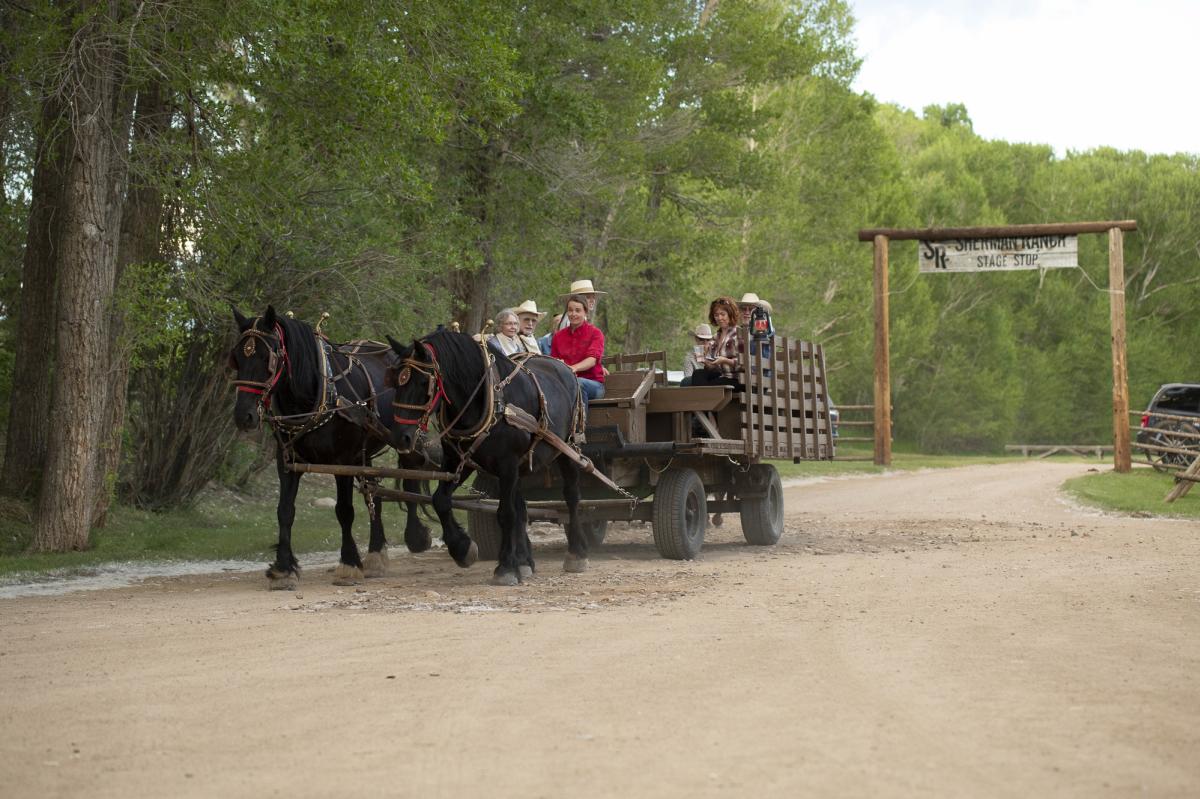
(524, 572)
(375, 564)
(277, 581)
(506, 578)
(575, 565)
(468, 560)
(347, 575)
(419, 540)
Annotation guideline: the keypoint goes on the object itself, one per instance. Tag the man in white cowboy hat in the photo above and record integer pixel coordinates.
(584, 289)
(529, 315)
(748, 303)
(695, 357)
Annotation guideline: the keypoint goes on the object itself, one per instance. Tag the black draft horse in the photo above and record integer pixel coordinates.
(445, 374)
(284, 378)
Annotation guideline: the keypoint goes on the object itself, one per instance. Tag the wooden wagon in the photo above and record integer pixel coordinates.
(686, 452)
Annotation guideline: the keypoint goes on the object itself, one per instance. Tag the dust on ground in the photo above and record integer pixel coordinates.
(956, 632)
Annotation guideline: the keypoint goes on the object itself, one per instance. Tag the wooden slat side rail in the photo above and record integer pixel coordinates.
(627, 362)
(675, 399)
(789, 378)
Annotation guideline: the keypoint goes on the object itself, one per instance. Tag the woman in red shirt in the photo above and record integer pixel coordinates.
(580, 345)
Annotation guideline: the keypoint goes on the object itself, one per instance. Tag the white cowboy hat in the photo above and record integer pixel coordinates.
(529, 308)
(581, 287)
(702, 331)
(750, 298)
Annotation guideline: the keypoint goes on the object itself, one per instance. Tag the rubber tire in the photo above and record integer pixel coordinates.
(485, 532)
(1161, 460)
(762, 517)
(594, 531)
(680, 514)
(482, 525)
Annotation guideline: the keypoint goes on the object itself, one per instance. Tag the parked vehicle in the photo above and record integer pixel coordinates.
(1171, 423)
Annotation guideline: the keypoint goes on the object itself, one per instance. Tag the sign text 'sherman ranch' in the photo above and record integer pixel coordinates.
(1000, 254)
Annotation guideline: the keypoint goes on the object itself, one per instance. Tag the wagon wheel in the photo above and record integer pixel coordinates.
(482, 525)
(1163, 461)
(680, 514)
(762, 516)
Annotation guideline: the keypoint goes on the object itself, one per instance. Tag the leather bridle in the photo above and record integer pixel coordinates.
(277, 361)
(434, 390)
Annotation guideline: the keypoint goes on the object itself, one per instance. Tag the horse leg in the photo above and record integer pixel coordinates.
(508, 570)
(577, 548)
(375, 564)
(283, 574)
(349, 568)
(458, 543)
(525, 565)
(416, 535)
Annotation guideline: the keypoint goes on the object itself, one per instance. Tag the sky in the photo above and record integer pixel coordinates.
(1072, 74)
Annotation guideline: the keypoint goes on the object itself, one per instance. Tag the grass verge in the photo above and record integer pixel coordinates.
(1139, 492)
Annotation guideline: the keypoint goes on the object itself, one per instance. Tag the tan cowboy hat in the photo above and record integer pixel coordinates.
(529, 308)
(702, 331)
(581, 287)
(750, 298)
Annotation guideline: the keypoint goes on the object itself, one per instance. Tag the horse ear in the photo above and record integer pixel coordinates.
(398, 348)
(242, 322)
(269, 318)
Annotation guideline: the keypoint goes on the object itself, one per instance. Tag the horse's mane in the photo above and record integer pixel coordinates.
(461, 358)
(304, 376)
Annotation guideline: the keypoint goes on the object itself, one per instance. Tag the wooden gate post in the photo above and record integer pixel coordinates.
(883, 378)
(1120, 391)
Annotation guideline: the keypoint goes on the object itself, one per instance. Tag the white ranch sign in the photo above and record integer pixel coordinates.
(999, 254)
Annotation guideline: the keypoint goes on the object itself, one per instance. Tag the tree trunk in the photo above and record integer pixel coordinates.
(471, 290)
(648, 258)
(141, 227)
(28, 420)
(94, 183)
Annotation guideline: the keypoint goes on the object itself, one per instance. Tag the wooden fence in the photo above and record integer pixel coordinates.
(1177, 439)
(856, 425)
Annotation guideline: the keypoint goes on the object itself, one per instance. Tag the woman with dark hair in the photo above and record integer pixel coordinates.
(723, 358)
(580, 345)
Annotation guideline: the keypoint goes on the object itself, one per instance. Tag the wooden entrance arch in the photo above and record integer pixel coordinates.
(1116, 293)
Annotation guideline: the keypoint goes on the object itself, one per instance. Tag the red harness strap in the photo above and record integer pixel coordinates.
(270, 386)
(440, 394)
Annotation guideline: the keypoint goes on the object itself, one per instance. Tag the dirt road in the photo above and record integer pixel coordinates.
(948, 633)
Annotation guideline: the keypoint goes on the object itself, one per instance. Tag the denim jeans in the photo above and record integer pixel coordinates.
(592, 389)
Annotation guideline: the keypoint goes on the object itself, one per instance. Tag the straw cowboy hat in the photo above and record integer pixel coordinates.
(529, 308)
(702, 331)
(581, 287)
(750, 298)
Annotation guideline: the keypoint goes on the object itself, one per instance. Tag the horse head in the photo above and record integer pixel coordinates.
(259, 360)
(417, 380)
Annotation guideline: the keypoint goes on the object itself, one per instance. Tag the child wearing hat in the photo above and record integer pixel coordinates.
(695, 357)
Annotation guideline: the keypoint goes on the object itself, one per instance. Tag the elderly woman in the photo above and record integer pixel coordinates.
(507, 337)
(724, 360)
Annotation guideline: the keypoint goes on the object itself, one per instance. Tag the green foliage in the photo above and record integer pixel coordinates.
(399, 166)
